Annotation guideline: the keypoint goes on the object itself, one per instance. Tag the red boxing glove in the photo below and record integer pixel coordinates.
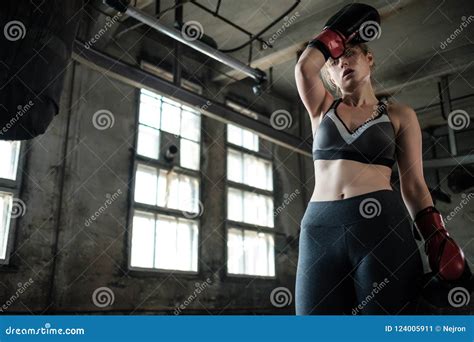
(343, 27)
(330, 43)
(445, 257)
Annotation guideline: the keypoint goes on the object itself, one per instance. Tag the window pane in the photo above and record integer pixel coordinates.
(234, 205)
(9, 152)
(176, 244)
(187, 245)
(6, 200)
(191, 126)
(148, 142)
(234, 134)
(235, 251)
(149, 112)
(258, 247)
(143, 232)
(251, 252)
(173, 190)
(269, 206)
(242, 137)
(178, 191)
(269, 175)
(170, 121)
(271, 254)
(166, 243)
(234, 166)
(145, 184)
(251, 207)
(172, 102)
(253, 171)
(250, 140)
(258, 209)
(162, 188)
(188, 194)
(189, 154)
(150, 93)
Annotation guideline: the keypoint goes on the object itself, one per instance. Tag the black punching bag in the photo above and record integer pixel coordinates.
(36, 40)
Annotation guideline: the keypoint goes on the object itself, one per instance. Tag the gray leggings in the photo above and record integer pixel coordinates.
(357, 256)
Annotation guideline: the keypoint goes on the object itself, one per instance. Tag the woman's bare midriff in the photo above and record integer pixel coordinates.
(341, 179)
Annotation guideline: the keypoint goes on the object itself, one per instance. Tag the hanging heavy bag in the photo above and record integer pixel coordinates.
(35, 48)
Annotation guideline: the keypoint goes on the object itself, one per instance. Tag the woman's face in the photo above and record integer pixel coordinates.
(352, 68)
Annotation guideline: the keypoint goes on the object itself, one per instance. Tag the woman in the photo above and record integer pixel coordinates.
(357, 252)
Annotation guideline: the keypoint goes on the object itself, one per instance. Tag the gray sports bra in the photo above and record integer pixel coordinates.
(373, 142)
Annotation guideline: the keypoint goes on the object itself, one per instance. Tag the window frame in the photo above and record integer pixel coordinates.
(15, 188)
(229, 224)
(133, 206)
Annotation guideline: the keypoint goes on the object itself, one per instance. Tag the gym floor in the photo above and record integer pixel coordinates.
(172, 183)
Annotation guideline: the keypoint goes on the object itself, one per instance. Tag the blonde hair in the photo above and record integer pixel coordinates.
(326, 78)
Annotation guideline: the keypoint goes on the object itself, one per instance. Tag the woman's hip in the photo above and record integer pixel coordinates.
(381, 206)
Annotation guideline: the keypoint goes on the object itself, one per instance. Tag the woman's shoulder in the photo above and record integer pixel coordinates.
(400, 113)
(399, 108)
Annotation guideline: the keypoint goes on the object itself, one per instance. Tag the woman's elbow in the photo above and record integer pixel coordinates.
(414, 188)
(303, 67)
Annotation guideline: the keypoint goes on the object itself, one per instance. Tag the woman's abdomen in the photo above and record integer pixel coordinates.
(338, 179)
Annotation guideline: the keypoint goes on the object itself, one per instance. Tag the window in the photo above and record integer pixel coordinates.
(164, 232)
(166, 242)
(242, 137)
(159, 115)
(10, 206)
(250, 237)
(245, 247)
(248, 169)
(167, 189)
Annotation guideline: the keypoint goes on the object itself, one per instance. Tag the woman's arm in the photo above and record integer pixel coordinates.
(413, 187)
(310, 87)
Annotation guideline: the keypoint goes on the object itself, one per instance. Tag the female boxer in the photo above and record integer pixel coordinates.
(357, 253)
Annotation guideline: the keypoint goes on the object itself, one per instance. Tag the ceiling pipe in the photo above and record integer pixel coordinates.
(122, 6)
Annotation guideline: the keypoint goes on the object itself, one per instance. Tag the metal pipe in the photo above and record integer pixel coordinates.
(425, 108)
(140, 78)
(448, 162)
(227, 21)
(446, 107)
(265, 29)
(257, 74)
